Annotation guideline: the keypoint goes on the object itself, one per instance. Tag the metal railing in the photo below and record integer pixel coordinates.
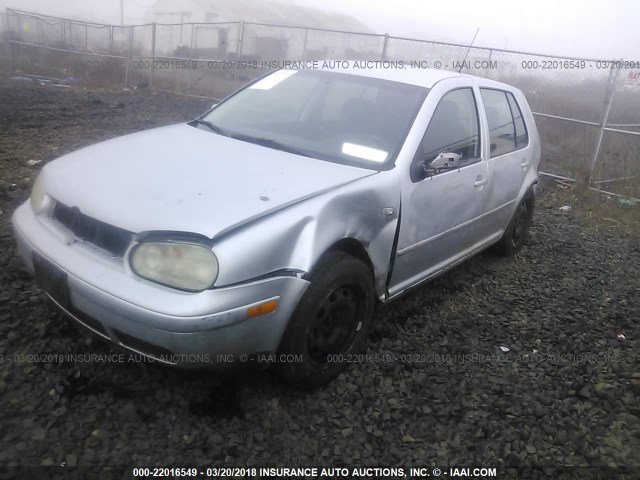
(587, 116)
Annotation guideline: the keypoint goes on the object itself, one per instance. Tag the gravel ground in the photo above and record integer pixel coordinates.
(566, 392)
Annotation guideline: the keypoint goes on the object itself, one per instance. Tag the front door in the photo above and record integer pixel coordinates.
(447, 194)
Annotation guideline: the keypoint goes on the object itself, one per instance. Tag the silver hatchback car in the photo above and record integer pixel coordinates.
(268, 228)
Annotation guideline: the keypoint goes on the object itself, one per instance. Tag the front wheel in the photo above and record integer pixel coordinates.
(516, 233)
(330, 322)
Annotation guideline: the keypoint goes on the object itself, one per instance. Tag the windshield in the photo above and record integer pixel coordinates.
(326, 115)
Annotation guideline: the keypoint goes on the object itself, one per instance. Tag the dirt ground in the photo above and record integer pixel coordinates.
(567, 308)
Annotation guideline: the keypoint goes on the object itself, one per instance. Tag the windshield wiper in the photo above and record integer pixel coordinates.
(210, 126)
(270, 143)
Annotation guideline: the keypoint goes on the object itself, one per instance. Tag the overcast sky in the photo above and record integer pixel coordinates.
(594, 29)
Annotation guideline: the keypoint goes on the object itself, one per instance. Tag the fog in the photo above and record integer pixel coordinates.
(596, 29)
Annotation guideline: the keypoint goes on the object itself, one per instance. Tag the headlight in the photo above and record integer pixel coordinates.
(177, 264)
(37, 195)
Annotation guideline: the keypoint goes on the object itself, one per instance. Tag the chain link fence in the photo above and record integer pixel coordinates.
(586, 109)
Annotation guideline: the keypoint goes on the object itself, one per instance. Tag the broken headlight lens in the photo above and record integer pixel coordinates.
(178, 264)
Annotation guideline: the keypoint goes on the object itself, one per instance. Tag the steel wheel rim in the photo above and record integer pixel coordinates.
(335, 323)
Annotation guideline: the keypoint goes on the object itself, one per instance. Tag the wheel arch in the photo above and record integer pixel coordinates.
(353, 247)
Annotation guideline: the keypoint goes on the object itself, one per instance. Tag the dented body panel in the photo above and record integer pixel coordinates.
(303, 232)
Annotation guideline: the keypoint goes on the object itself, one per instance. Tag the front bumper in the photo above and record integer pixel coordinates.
(170, 326)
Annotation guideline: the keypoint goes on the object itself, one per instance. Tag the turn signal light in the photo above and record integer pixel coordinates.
(262, 308)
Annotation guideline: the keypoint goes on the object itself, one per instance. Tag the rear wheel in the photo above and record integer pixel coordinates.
(516, 233)
(330, 322)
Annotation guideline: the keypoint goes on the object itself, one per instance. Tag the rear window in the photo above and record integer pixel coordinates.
(507, 130)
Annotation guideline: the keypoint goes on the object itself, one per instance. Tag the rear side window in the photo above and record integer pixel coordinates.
(522, 139)
(507, 131)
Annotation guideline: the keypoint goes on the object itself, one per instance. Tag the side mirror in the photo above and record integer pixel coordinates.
(444, 161)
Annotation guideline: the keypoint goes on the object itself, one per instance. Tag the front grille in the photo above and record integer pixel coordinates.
(112, 239)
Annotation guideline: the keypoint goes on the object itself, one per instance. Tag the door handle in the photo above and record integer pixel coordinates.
(525, 164)
(481, 182)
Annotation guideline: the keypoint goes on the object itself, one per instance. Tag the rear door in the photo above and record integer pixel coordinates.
(509, 159)
(447, 194)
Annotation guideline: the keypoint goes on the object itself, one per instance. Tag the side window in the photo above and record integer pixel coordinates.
(522, 138)
(452, 139)
(507, 131)
(502, 135)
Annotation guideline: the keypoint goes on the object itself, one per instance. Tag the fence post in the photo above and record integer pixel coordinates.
(240, 38)
(385, 47)
(190, 69)
(8, 22)
(126, 74)
(304, 46)
(608, 100)
(40, 49)
(153, 53)
(236, 75)
(111, 39)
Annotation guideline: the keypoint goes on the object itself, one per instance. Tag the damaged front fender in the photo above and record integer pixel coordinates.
(294, 239)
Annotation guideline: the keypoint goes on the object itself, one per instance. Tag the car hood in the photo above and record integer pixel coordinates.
(186, 179)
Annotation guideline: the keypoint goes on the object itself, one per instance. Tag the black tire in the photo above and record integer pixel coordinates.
(330, 322)
(518, 228)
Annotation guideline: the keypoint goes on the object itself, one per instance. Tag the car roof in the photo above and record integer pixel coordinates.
(402, 72)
